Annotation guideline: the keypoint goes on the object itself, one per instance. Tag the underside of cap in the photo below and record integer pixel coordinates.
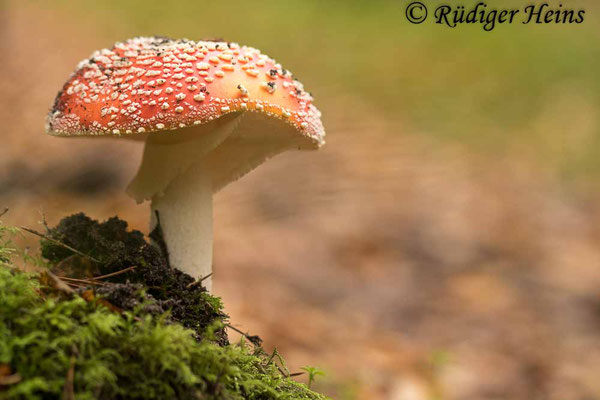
(255, 139)
(228, 148)
(149, 85)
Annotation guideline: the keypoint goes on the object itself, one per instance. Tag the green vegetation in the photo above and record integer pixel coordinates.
(6, 251)
(313, 372)
(125, 336)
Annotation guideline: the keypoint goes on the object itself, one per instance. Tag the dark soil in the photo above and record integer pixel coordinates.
(110, 247)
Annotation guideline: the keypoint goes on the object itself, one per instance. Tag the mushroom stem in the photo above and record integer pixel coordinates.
(186, 217)
(175, 175)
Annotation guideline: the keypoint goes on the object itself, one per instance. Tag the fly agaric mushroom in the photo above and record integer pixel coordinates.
(208, 111)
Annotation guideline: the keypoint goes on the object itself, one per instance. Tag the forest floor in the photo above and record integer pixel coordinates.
(406, 268)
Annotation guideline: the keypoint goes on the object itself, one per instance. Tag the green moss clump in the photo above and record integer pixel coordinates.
(58, 345)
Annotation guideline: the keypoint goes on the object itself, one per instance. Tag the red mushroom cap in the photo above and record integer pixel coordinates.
(151, 84)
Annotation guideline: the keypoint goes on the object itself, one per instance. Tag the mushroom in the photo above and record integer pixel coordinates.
(208, 111)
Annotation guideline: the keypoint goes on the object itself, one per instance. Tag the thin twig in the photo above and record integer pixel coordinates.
(3, 213)
(66, 246)
(75, 284)
(95, 280)
(199, 281)
(282, 371)
(114, 273)
(255, 340)
(75, 280)
(296, 374)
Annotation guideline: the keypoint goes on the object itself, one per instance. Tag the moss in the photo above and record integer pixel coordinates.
(56, 345)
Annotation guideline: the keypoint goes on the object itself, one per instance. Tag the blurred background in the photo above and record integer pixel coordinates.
(444, 244)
